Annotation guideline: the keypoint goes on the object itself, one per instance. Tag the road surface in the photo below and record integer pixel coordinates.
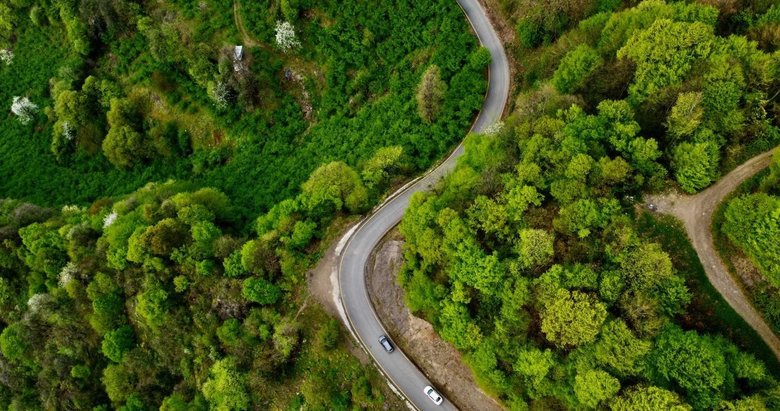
(360, 313)
(696, 214)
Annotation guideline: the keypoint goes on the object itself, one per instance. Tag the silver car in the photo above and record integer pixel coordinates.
(386, 344)
(433, 395)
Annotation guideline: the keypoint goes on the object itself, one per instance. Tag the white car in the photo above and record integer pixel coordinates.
(433, 395)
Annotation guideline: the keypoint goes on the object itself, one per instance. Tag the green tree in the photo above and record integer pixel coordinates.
(572, 318)
(594, 387)
(686, 115)
(694, 363)
(619, 350)
(332, 187)
(534, 365)
(226, 388)
(430, 94)
(644, 398)
(575, 67)
(152, 304)
(117, 342)
(752, 222)
(457, 326)
(261, 291)
(13, 342)
(125, 144)
(535, 247)
(696, 165)
(664, 54)
(381, 166)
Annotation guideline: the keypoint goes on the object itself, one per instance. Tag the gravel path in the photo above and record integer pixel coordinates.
(696, 214)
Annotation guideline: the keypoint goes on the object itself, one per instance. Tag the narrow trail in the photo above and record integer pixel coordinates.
(245, 37)
(696, 214)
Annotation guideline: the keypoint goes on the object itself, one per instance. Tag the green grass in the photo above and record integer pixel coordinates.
(708, 312)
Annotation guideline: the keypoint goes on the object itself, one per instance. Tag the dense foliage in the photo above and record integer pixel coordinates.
(532, 258)
(154, 301)
(702, 80)
(145, 91)
(155, 296)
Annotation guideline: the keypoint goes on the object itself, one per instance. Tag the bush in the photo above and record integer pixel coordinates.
(261, 291)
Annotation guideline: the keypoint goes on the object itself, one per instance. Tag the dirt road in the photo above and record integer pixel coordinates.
(696, 214)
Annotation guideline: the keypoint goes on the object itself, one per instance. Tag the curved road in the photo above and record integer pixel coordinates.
(696, 214)
(351, 276)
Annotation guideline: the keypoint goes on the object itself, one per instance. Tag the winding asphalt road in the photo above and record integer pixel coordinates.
(361, 316)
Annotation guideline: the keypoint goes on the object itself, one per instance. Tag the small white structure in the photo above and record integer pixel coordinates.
(238, 57)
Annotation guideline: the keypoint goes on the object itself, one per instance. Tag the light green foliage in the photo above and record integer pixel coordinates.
(695, 165)
(594, 387)
(686, 115)
(234, 268)
(7, 22)
(107, 307)
(664, 54)
(286, 337)
(574, 69)
(303, 233)
(534, 365)
(649, 399)
(332, 187)
(152, 304)
(619, 351)
(381, 166)
(458, 327)
(430, 94)
(535, 247)
(226, 389)
(572, 318)
(645, 266)
(753, 223)
(44, 249)
(723, 90)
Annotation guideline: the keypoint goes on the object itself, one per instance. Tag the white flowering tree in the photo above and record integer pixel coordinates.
(24, 109)
(222, 95)
(285, 36)
(493, 129)
(68, 274)
(109, 219)
(7, 56)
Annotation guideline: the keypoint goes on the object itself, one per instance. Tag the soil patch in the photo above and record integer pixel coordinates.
(437, 359)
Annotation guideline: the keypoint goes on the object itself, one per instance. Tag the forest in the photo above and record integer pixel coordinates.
(163, 192)
(535, 257)
(126, 92)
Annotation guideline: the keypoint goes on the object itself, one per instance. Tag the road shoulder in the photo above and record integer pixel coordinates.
(437, 359)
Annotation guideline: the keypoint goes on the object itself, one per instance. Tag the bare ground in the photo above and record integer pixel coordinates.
(696, 214)
(438, 360)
